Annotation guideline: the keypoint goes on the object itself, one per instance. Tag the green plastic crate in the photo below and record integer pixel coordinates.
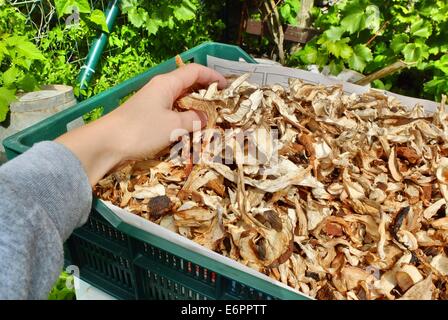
(130, 263)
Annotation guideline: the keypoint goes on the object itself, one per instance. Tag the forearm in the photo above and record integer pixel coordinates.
(96, 145)
(44, 195)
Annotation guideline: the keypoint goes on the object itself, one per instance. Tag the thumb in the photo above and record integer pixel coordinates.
(192, 120)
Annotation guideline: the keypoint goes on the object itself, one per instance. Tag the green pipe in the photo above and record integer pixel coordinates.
(97, 48)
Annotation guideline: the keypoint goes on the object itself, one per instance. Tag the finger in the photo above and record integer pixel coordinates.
(192, 120)
(191, 74)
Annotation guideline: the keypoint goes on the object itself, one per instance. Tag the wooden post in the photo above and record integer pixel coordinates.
(303, 19)
(304, 16)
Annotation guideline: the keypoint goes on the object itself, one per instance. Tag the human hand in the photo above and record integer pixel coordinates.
(142, 126)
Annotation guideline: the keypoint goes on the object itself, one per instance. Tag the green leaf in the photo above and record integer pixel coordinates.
(373, 18)
(27, 83)
(421, 28)
(361, 55)
(381, 85)
(68, 6)
(3, 50)
(10, 76)
(354, 22)
(22, 62)
(185, 11)
(434, 50)
(12, 41)
(308, 55)
(378, 84)
(6, 97)
(152, 25)
(442, 64)
(340, 48)
(60, 7)
(137, 16)
(97, 17)
(437, 87)
(414, 52)
(336, 67)
(322, 57)
(24, 47)
(398, 42)
(285, 12)
(29, 50)
(295, 5)
(334, 33)
(288, 11)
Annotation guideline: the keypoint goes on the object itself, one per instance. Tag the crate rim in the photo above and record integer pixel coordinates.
(198, 258)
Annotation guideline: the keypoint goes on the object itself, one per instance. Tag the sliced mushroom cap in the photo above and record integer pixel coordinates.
(339, 196)
(440, 263)
(442, 171)
(422, 290)
(407, 276)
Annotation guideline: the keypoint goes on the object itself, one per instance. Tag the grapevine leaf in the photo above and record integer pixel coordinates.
(382, 85)
(421, 28)
(185, 11)
(285, 12)
(437, 86)
(97, 17)
(153, 24)
(6, 97)
(361, 55)
(3, 50)
(354, 22)
(434, 50)
(411, 52)
(322, 57)
(398, 42)
(27, 83)
(82, 5)
(414, 52)
(170, 23)
(60, 7)
(373, 18)
(340, 48)
(137, 16)
(378, 84)
(442, 64)
(68, 6)
(308, 55)
(295, 5)
(336, 67)
(10, 76)
(334, 33)
(25, 48)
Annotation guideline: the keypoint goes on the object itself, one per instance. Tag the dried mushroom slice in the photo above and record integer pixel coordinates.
(348, 202)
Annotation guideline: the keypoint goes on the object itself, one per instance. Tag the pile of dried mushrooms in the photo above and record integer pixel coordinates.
(354, 207)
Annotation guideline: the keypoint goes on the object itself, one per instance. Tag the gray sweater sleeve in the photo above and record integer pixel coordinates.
(44, 195)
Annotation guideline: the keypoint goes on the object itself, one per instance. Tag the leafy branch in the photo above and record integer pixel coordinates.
(356, 34)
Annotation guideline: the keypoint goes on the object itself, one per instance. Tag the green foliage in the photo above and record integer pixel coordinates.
(17, 56)
(152, 32)
(289, 10)
(172, 26)
(95, 17)
(93, 115)
(367, 35)
(60, 291)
